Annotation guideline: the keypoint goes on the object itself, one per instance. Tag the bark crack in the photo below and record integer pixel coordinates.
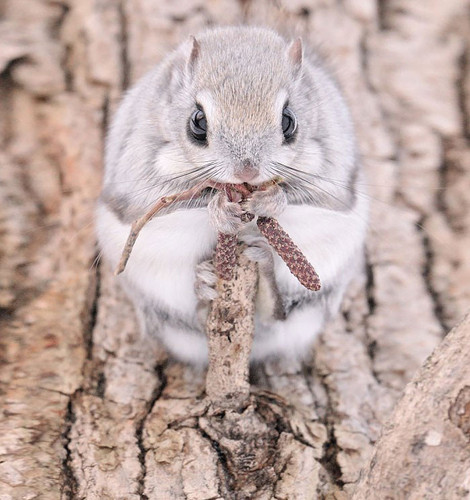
(463, 67)
(67, 50)
(227, 476)
(331, 449)
(90, 312)
(124, 39)
(438, 307)
(158, 391)
(371, 344)
(69, 486)
(104, 129)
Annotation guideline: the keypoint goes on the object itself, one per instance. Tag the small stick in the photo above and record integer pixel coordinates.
(230, 329)
(166, 201)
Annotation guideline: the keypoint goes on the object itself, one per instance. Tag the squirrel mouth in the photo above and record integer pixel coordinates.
(240, 192)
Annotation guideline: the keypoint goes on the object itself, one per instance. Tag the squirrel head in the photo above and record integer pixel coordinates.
(235, 101)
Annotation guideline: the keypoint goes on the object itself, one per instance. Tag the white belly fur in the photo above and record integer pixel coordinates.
(169, 247)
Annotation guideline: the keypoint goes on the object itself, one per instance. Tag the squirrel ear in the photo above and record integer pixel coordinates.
(195, 49)
(294, 53)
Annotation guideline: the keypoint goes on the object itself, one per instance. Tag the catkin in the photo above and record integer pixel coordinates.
(225, 257)
(289, 252)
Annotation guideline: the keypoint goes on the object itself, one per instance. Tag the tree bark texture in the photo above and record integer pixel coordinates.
(424, 450)
(91, 410)
(230, 327)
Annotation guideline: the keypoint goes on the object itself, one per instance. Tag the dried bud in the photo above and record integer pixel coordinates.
(225, 257)
(289, 252)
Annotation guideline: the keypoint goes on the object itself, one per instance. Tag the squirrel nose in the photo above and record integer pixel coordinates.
(247, 172)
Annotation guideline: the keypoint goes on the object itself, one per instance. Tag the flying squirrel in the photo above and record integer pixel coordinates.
(234, 105)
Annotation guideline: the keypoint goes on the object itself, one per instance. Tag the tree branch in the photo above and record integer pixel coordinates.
(431, 423)
(230, 329)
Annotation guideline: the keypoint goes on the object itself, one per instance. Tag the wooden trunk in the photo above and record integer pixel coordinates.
(91, 410)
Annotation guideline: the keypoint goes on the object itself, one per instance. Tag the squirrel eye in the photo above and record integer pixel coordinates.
(198, 126)
(289, 124)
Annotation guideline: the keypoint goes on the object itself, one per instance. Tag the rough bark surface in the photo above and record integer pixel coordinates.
(429, 432)
(91, 410)
(230, 327)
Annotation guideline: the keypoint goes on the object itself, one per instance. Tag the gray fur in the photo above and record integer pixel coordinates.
(242, 77)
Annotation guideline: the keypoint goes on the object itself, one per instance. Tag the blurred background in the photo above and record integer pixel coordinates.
(404, 67)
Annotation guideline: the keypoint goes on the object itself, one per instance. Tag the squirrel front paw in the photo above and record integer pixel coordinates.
(225, 215)
(206, 279)
(269, 202)
(269, 302)
(258, 250)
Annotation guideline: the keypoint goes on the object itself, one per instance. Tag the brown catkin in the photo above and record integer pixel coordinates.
(225, 257)
(289, 252)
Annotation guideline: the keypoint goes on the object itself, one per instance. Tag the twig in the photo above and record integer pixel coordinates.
(226, 246)
(230, 330)
(166, 201)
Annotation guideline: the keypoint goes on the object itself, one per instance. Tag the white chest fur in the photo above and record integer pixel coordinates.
(164, 258)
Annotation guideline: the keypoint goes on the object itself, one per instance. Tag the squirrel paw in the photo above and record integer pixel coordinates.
(270, 202)
(259, 251)
(270, 306)
(206, 279)
(204, 288)
(225, 215)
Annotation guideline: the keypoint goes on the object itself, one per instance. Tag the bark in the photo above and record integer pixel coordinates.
(430, 425)
(230, 327)
(92, 410)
